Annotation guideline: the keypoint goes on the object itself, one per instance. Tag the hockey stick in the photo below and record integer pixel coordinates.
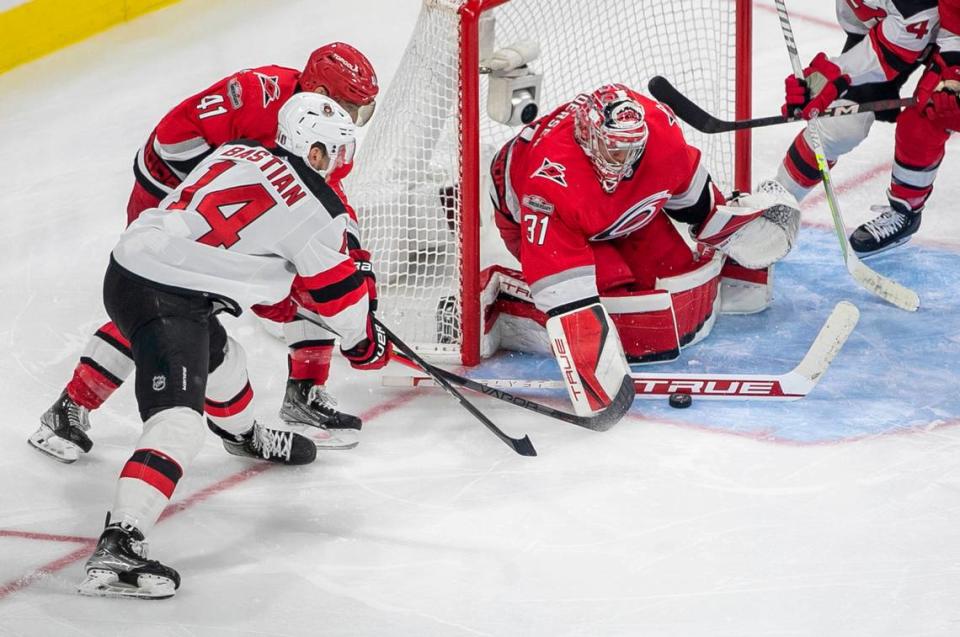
(792, 385)
(599, 422)
(522, 446)
(869, 279)
(685, 109)
(887, 289)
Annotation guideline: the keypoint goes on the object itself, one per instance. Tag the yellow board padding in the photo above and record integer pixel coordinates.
(31, 30)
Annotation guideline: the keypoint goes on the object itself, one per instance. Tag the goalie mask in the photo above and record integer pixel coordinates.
(610, 127)
(310, 118)
(346, 75)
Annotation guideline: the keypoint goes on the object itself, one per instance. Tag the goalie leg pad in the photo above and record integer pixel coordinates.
(745, 291)
(591, 359)
(646, 324)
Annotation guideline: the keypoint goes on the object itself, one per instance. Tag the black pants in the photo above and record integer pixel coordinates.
(175, 337)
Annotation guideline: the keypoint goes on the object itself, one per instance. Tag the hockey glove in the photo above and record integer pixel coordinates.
(371, 353)
(938, 89)
(362, 258)
(280, 312)
(823, 83)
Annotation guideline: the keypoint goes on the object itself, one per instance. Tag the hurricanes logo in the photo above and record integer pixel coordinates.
(636, 217)
(553, 171)
(271, 87)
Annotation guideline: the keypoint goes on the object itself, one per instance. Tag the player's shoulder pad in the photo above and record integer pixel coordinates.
(316, 184)
(910, 8)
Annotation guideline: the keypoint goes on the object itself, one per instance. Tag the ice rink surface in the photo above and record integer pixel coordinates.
(834, 515)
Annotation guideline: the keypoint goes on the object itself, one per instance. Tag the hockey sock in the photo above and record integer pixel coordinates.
(229, 394)
(105, 363)
(171, 439)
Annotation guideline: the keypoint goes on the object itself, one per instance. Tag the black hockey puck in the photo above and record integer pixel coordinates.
(680, 401)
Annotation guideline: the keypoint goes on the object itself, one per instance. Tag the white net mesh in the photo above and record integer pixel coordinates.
(405, 186)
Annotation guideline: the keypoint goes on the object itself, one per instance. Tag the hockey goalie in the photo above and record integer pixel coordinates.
(589, 199)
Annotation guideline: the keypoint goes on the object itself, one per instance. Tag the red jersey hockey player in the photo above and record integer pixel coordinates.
(886, 40)
(921, 138)
(176, 267)
(584, 198)
(243, 105)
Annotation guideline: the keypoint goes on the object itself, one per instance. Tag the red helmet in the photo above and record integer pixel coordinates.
(343, 71)
(611, 129)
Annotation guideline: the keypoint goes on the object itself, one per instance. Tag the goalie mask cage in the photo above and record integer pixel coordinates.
(419, 185)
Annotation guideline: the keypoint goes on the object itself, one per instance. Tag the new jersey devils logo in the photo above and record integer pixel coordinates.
(636, 217)
(270, 86)
(553, 171)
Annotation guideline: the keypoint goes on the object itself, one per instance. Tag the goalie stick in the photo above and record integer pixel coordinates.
(522, 446)
(792, 385)
(887, 289)
(685, 109)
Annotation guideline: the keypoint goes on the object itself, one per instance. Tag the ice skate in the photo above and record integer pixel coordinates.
(264, 443)
(62, 433)
(893, 226)
(119, 568)
(309, 405)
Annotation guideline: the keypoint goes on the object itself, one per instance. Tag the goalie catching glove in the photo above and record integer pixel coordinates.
(755, 229)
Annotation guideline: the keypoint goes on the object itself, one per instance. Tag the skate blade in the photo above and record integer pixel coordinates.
(47, 442)
(329, 439)
(102, 583)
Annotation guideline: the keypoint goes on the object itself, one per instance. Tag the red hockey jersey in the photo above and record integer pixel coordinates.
(241, 106)
(551, 205)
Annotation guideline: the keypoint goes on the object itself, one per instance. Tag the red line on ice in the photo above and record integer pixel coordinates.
(229, 482)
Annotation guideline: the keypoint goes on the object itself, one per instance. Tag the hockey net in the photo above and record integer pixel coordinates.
(419, 185)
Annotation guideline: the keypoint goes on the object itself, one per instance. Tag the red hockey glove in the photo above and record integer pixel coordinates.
(823, 83)
(281, 312)
(937, 91)
(362, 258)
(373, 352)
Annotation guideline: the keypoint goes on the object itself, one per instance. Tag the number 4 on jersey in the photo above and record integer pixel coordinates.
(253, 201)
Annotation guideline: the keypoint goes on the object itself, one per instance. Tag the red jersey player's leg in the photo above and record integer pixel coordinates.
(920, 143)
(105, 363)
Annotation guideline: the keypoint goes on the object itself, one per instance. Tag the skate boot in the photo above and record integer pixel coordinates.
(119, 568)
(264, 443)
(894, 226)
(62, 433)
(309, 405)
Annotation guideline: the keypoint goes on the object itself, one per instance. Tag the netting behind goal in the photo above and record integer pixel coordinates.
(419, 185)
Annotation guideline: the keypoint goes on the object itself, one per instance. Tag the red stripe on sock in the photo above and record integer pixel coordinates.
(231, 407)
(151, 476)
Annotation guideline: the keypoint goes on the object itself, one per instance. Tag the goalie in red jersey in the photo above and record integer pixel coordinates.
(244, 105)
(585, 198)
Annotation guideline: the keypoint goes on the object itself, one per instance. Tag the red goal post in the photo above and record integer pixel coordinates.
(419, 181)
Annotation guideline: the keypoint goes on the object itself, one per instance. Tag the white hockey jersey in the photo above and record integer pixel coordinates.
(897, 32)
(242, 225)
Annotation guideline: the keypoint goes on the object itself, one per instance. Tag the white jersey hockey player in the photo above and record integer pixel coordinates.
(238, 230)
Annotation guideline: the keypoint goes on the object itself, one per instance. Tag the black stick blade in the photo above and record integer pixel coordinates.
(523, 446)
(661, 88)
